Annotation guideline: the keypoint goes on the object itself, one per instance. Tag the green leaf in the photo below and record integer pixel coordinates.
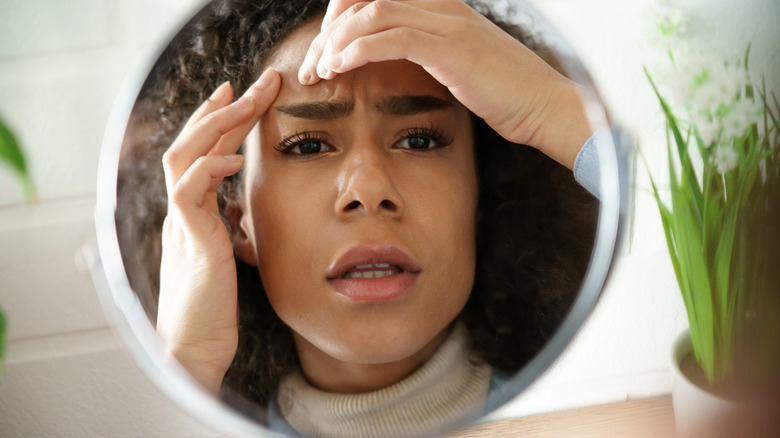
(9, 150)
(687, 172)
(12, 155)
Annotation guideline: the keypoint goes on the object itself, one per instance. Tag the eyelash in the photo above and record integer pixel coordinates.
(437, 136)
(288, 144)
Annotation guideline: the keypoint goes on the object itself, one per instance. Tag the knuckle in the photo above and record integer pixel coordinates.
(376, 10)
(200, 163)
(404, 36)
(177, 195)
(332, 43)
(169, 157)
(358, 49)
(354, 9)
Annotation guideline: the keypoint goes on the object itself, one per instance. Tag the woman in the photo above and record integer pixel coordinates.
(380, 234)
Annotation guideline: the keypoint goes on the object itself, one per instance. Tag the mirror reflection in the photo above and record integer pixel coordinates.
(356, 219)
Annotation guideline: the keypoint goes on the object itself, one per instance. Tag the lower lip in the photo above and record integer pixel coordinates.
(386, 288)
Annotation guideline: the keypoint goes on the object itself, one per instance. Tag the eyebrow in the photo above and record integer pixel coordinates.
(318, 110)
(409, 105)
(402, 105)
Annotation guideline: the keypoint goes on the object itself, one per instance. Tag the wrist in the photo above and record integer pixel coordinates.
(565, 127)
(207, 375)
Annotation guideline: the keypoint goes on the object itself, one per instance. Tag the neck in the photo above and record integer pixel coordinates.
(333, 375)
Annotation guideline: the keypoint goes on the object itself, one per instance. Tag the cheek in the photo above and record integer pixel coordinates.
(282, 201)
(289, 217)
(446, 208)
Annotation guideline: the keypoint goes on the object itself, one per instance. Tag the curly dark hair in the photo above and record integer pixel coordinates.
(535, 224)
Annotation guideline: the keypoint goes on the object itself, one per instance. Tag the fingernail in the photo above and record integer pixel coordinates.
(264, 81)
(234, 157)
(304, 73)
(220, 91)
(266, 78)
(321, 70)
(304, 77)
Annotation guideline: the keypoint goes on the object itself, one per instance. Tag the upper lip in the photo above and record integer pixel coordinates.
(365, 254)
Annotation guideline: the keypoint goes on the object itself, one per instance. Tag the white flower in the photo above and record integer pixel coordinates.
(725, 158)
(707, 98)
(730, 81)
(742, 115)
(708, 131)
(668, 20)
(717, 88)
(666, 30)
(695, 64)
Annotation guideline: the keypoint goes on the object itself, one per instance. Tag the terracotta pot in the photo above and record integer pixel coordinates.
(694, 406)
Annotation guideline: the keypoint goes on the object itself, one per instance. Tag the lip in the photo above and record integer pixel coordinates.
(386, 288)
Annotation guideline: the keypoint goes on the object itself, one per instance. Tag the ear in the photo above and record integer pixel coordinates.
(240, 233)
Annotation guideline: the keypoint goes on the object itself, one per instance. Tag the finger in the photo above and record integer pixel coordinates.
(202, 178)
(335, 9)
(398, 43)
(232, 122)
(264, 92)
(307, 74)
(221, 97)
(378, 17)
(202, 136)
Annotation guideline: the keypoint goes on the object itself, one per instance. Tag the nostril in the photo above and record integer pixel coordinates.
(388, 205)
(354, 205)
(385, 205)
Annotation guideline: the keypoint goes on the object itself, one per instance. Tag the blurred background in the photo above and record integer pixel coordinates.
(61, 66)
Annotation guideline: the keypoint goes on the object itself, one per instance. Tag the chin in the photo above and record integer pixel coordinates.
(384, 346)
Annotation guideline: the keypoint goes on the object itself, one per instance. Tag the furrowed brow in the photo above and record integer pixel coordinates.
(318, 110)
(409, 105)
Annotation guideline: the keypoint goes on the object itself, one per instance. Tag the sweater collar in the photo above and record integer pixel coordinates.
(450, 388)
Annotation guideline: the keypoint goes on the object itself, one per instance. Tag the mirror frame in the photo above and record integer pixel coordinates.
(127, 316)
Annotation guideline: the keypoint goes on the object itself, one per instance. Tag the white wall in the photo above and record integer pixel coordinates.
(61, 64)
(622, 351)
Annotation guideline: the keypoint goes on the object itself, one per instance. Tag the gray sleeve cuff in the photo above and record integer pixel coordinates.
(586, 165)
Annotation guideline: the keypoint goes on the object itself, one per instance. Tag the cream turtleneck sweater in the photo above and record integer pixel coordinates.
(450, 387)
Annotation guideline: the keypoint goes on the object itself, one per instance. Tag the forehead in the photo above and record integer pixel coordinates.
(367, 82)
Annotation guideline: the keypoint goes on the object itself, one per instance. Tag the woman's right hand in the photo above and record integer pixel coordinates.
(476, 60)
(197, 317)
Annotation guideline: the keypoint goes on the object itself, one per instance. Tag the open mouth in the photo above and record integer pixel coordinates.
(368, 273)
(371, 262)
(373, 270)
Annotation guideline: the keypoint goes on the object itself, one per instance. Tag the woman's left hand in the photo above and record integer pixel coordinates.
(496, 77)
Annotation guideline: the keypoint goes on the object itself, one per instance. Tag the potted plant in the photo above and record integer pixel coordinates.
(721, 221)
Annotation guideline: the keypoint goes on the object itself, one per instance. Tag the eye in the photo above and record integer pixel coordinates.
(417, 143)
(306, 143)
(422, 139)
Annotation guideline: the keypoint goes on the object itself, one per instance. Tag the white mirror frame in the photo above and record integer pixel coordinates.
(126, 314)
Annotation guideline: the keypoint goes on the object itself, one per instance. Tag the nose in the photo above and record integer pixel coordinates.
(366, 184)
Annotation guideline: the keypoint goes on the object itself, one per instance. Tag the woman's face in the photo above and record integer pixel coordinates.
(359, 208)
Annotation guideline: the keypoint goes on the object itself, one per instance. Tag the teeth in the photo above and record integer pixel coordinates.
(369, 274)
(369, 265)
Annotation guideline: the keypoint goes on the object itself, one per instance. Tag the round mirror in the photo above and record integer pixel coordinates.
(387, 261)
